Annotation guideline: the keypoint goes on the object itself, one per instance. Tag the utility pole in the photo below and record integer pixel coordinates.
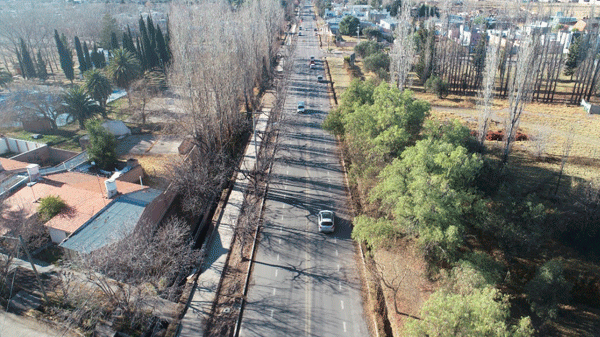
(358, 32)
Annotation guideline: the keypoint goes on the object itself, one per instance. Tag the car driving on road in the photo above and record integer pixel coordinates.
(300, 108)
(326, 221)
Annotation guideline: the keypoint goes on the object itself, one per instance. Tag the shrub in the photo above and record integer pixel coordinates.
(547, 289)
(50, 206)
(437, 86)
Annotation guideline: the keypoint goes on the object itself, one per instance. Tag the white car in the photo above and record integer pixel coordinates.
(300, 108)
(326, 221)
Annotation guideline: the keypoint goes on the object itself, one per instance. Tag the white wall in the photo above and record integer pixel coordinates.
(17, 145)
(57, 235)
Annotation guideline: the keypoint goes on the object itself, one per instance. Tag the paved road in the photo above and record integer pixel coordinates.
(305, 283)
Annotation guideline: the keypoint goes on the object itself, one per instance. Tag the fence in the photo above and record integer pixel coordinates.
(17, 145)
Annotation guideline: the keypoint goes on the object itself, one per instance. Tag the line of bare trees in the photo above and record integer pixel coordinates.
(222, 60)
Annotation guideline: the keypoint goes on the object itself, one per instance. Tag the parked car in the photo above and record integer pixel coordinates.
(300, 108)
(326, 221)
(299, 33)
(312, 58)
(312, 66)
(320, 78)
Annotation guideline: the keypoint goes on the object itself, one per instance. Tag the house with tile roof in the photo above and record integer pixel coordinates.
(85, 196)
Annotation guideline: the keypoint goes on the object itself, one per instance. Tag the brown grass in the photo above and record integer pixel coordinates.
(156, 169)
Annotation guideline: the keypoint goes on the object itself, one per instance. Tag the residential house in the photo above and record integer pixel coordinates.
(85, 196)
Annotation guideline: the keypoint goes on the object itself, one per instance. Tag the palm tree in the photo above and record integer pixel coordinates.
(79, 105)
(123, 69)
(98, 87)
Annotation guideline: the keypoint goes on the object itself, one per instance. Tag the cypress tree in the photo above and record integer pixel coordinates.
(162, 48)
(149, 54)
(151, 32)
(66, 61)
(140, 54)
(27, 66)
(80, 57)
(86, 56)
(42, 74)
(97, 58)
(114, 43)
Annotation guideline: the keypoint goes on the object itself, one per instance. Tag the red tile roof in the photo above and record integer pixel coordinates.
(84, 195)
(10, 165)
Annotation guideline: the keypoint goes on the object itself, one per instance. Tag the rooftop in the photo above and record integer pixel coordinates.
(12, 165)
(84, 194)
(112, 223)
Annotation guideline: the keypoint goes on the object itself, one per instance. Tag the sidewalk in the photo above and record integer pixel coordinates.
(204, 294)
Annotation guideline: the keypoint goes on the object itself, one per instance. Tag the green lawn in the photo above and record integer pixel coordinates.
(66, 138)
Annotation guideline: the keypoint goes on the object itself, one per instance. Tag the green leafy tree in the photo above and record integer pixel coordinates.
(41, 71)
(123, 69)
(79, 105)
(467, 306)
(25, 60)
(430, 192)
(379, 132)
(98, 87)
(373, 33)
(367, 48)
(349, 25)
(66, 59)
(50, 206)
(80, 57)
(357, 94)
(377, 62)
(548, 289)
(102, 146)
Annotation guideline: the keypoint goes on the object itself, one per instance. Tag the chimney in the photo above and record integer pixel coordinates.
(33, 170)
(111, 188)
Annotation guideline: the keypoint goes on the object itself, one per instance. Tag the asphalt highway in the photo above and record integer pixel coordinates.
(305, 283)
